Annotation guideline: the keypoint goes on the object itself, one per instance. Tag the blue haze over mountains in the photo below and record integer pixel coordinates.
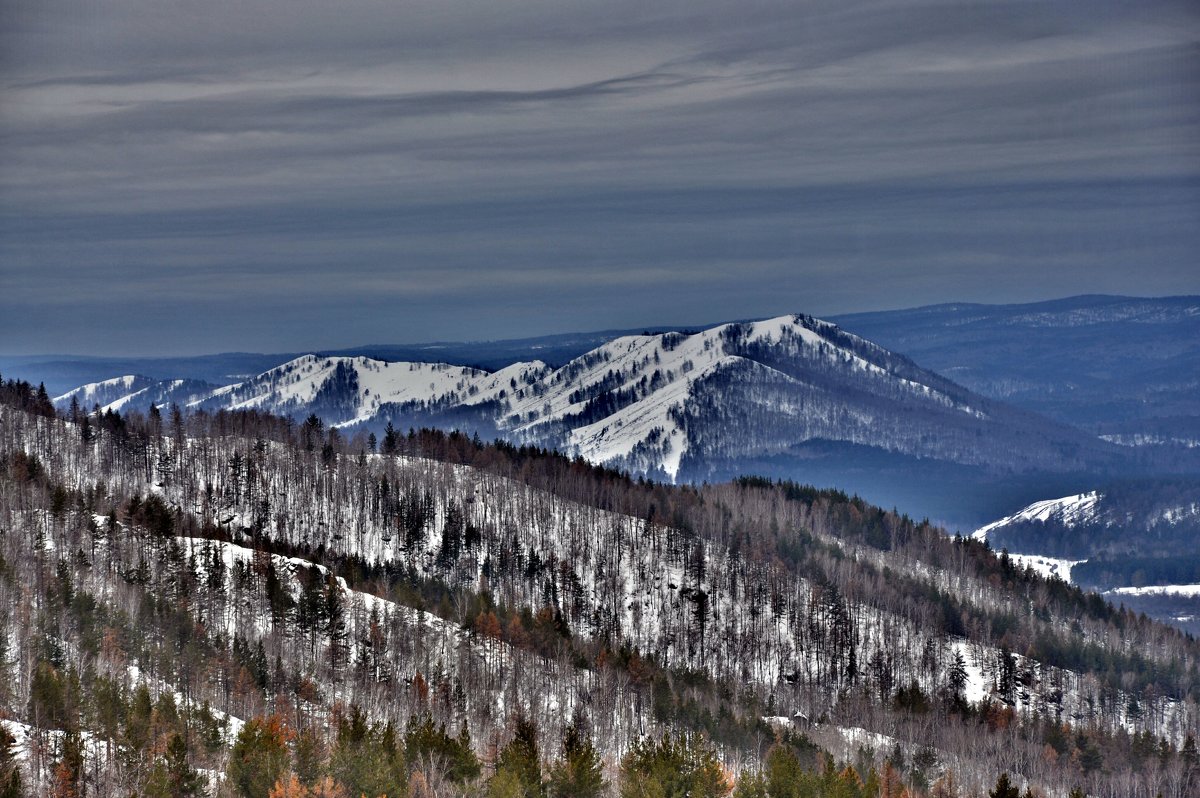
(1114, 365)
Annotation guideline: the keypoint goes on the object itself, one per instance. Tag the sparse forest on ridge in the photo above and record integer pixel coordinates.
(237, 603)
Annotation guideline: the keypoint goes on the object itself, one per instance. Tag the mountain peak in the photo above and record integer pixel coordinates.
(729, 399)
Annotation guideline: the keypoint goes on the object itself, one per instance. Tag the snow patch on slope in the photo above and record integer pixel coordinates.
(105, 391)
(1048, 567)
(1069, 510)
(646, 377)
(1144, 439)
(1156, 590)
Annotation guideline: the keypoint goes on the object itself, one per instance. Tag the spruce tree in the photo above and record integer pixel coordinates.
(335, 621)
(520, 759)
(172, 776)
(580, 773)
(10, 771)
(366, 758)
(1004, 788)
(750, 785)
(259, 757)
(683, 764)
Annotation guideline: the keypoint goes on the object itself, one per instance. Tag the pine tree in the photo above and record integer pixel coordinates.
(335, 621)
(505, 784)
(1004, 788)
(428, 745)
(1190, 759)
(10, 771)
(366, 758)
(309, 756)
(42, 404)
(784, 774)
(259, 756)
(312, 431)
(683, 764)
(137, 724)
(580, 773)
(47, 698)
(464, 765)
(172, 776)
(520, 759)
(750, 785)
(185, 780)
(956, 677)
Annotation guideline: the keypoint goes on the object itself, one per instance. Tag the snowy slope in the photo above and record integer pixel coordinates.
(676, 405)
(299, 382)
(135, 393)
(106, 392)
(654, 377)
(345, 390)
(1068, 510)
(1046, 566)
(1082, 508)
(1056, 536)
(1156, 590)
(759, 626)
(1100, 510)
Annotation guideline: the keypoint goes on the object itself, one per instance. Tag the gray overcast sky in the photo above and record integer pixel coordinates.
(181, 177)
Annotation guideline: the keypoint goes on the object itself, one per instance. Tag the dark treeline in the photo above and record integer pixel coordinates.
(23, 395)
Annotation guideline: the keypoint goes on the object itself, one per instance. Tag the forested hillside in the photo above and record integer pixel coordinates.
(233, 603)
(1134, 541)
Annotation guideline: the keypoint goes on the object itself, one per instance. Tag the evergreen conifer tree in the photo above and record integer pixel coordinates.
(1004, 788)
(580, 773)
(521, 760)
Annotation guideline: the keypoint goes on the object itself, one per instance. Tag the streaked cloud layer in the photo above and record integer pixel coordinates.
(273, 175)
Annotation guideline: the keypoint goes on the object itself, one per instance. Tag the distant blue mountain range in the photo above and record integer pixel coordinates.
(1124, 367)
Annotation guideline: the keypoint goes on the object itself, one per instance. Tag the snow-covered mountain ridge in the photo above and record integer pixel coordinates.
(1068, 510)
(676, 405)
(348, 390)
(1098, 510)
(134, 392)
(106, 392)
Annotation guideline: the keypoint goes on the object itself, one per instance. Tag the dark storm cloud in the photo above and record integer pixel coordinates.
(270, 175)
